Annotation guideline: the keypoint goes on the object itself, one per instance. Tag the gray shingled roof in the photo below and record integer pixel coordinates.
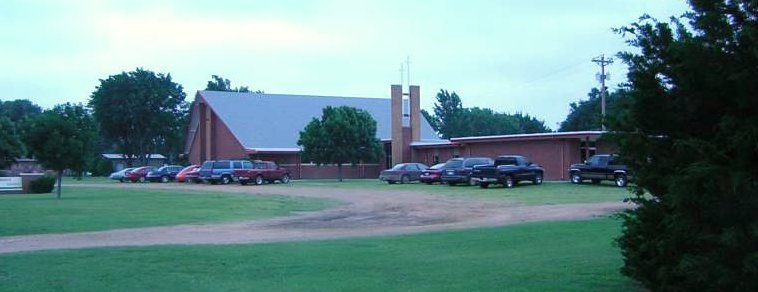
(275, 120)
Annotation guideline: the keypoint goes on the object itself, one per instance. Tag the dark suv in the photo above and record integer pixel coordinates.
(458, 170)
(221, 170)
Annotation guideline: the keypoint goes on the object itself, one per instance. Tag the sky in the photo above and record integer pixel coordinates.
(511, 56)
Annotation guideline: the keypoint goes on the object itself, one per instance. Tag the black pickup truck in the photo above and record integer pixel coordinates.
(508, 170)
(599, 168)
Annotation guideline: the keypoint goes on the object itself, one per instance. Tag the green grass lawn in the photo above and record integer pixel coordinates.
(553, 256)
(524, 193)
(67, 180)
(89, 209)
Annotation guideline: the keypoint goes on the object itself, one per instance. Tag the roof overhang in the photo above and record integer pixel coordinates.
(272, 150)
(588, 135)
(434, 144)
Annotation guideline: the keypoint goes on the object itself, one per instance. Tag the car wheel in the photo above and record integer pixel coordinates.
(596, 181)
(429, 183)
(164, 179)
(452, 184)
(258, 180)
(285, 179)
(537, 179)
(484, 185)
(509, 183)
(226, 179)
(576, 178)
(620, 180)
(141, 179)
(405, 179)
(243, 182)
(392, 182)
(120, 180)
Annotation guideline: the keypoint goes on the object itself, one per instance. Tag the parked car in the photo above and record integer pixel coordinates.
(119, 175)
(458, 170)
(261, 171)
(220, 170)
(432, 174)
(182, 175)
(164, 174)
(138, 174)
(193, 176)
(599, 168)
(403, 173)
(508, 170)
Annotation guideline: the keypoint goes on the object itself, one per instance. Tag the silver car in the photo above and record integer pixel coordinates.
(119, 175)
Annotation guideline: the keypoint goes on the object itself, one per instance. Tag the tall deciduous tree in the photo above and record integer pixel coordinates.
(342, 135)
(10, 143)
(451, 119)
(218, 83)
(61, 138)
(19, 110)
(586, 115)
(690, 133)
(140, 112)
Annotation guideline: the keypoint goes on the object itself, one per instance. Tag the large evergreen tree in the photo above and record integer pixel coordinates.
(690, 134)
(342, 135)
(140, 113)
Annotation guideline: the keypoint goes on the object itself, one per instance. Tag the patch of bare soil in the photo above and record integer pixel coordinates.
(365, 212)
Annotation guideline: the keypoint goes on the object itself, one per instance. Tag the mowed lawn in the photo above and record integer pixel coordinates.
(90, 209)
(548, 256)
(524, 193)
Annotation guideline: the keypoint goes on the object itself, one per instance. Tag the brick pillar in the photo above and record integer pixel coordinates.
(208, 133)
(396, 114)
(415, 113)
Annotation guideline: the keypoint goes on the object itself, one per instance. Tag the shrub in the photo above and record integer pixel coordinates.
(42, 185)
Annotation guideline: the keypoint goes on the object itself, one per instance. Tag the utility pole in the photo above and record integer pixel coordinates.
(602, 61)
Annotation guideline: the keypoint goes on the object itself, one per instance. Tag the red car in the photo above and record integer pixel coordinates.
(182, 175)
(261, 171)
(432, 174)
(138, 174)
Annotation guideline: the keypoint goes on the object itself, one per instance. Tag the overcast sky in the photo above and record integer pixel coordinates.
(529, 56)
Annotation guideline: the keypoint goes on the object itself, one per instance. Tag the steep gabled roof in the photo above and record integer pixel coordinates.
(274, 121)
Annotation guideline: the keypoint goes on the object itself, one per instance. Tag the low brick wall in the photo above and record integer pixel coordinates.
(311, 171)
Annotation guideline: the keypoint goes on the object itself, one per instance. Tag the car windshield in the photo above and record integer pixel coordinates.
(188, 168)
(398, 167)
(437, 166)
(207, 165)
(454, 163)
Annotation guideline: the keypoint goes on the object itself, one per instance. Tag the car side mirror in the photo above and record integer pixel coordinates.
(585, 162)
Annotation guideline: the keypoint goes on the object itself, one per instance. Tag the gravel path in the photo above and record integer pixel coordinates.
(365, 212)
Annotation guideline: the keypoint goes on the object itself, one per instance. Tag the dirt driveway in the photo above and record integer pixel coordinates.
(365, 212)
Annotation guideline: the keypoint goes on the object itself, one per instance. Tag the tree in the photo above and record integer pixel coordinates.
(342, 135)
(448, 111)
(19, 110)
(218, 83)
(451, 119)
(586, 115)
(140, 113)
(61, 139)
(10, 143)
(689, 133)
